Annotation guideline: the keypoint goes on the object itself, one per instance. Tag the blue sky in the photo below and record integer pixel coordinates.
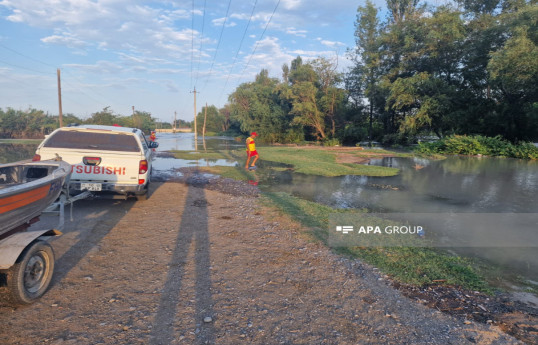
(152, 54)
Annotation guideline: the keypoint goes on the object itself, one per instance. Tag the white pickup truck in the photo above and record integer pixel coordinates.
(109, 161)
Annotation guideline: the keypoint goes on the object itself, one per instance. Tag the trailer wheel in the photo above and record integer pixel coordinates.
(30, 277)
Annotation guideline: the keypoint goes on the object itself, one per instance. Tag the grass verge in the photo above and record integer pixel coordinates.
(21, 141)
(410, 265)
(319, 161)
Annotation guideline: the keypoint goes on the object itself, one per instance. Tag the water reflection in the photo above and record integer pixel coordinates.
(167, 166)
(457, 184)
(185, 142)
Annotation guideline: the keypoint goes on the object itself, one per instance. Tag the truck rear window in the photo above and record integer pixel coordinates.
(93, 141)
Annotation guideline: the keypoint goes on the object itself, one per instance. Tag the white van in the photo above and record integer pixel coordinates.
(109, 161)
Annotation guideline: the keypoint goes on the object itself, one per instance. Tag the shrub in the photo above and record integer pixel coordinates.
(331, 142)
(474, 145)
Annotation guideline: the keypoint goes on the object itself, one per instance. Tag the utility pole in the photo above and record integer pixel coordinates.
(195, 133)
(135, 121)
(205, 117)
(175, 119)
(60, 115)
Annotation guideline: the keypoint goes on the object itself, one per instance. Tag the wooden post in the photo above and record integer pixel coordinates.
(195, 129)
(60, 115)
(205, 117)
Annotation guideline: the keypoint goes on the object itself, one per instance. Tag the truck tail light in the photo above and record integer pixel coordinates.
(143, 167)
(36, 158)
(141, 181)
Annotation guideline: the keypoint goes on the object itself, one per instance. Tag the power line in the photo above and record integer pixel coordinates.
(201, 45)
(261, 36)
(239, 49)
(192, 41)
(106, 99)
(19, 81)
(26, 56)
(25, 68)
(47, 64)
(79, 90)
(218, 44)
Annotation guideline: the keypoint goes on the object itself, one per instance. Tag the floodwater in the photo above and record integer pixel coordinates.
(166, 166)
(454, 185)
(457, 185)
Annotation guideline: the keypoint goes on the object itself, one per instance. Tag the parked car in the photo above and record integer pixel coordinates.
(109, 161)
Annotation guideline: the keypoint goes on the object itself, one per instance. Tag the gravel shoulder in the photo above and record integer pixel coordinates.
(199, 263)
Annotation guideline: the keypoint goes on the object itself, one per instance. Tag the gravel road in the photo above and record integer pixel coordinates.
(193, 265)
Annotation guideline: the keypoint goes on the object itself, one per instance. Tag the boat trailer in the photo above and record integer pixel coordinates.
(26, 257)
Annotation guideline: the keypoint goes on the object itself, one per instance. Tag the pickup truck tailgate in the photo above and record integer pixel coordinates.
(92, 166)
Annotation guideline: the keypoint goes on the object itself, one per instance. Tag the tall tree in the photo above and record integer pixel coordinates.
(331, 97)
(401, 9)
(306, 108)
(367, 49)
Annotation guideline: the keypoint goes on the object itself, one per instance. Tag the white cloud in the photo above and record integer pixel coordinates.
(331, 44)
(138, 38)
(269, 55)
(101, 67)
(290, 4)
(65, 39)
(294, 31)
(219, 21)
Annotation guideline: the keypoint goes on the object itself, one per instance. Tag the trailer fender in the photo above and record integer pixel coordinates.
(12, 246)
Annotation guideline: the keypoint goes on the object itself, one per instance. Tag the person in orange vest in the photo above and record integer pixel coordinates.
(152, 137)
(251, 151)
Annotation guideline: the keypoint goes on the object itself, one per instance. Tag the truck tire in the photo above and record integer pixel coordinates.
(30, 277)
(142, 197)
(145, 193)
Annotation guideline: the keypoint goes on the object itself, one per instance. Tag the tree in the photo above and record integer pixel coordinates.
(260, 106)
(214, 122)
(367, 50)
(401, 9)
(103, 117)
(305, 108)
(300, 72)
(331, 97)
(514, 71)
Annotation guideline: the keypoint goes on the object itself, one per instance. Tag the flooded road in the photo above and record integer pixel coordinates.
(454, 185)
(166, 166)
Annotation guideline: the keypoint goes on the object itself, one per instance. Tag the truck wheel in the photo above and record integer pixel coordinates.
(145, 193)
(142, 197)
(30, 277)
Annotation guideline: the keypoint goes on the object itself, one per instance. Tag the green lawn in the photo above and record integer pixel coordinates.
(318, 161)
(21, 141)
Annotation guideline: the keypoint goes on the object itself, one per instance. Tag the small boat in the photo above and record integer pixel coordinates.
(27, 188)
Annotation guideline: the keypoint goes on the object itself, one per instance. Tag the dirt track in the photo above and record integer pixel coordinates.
(151, 272)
